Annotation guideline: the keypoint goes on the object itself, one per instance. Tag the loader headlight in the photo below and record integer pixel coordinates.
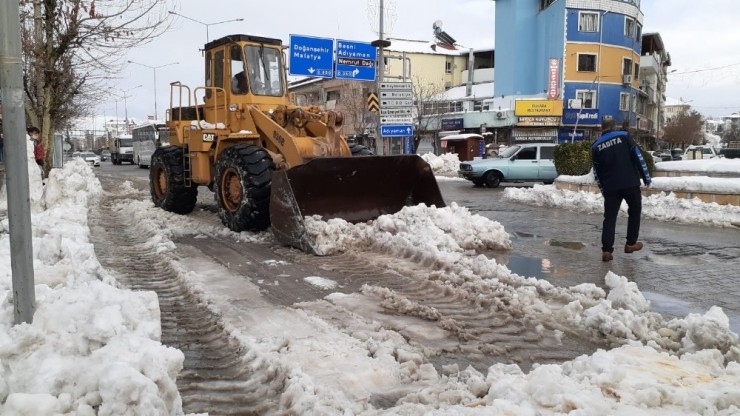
(233, 107)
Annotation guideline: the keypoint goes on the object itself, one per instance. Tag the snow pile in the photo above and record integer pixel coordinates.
(426, 231)
(444, 164)
(35, 184)
(92, 348)
(664, 207)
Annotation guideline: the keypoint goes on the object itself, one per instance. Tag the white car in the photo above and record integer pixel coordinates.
(89, 157)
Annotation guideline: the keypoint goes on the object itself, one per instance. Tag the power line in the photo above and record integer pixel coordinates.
(704, 70)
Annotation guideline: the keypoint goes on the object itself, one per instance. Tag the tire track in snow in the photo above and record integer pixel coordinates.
(219, 377)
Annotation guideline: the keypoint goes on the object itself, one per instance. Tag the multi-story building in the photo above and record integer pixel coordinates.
(651, 100)
(581, 58)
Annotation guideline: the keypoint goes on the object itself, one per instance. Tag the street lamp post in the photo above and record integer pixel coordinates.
(206, 24)
(154, 69)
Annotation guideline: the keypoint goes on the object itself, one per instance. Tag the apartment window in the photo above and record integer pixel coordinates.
(546, 3)
(624, 102)
(637, 70)
(638, 35)
(629, 27)
(587, 97)
(586, 62)
(626, 66)
(588, 22)
(448, 67)
(477, 105)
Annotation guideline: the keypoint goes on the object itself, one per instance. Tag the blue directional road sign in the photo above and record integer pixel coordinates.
(396, 131)
(313, 57)
(356, 60)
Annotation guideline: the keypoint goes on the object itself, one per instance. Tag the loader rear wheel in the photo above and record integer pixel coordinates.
(167, 182)
(243, 183)
(360, 150)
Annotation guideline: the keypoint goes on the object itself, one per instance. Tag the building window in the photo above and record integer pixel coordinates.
(624, 102)
(629, 27)
(477, 105)
(588, 22)
(637, 70)
(638, 36)
(448, 67)
(626, 66)
(333, 95)
(546, 3)
(586, 62)
(587, 97)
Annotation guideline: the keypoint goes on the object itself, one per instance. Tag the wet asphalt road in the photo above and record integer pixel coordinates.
(682, 269)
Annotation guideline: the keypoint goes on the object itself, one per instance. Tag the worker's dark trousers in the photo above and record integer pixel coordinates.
(612, 202)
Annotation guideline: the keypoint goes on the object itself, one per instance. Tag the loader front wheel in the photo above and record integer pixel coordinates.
(243, 183)
(167, 182)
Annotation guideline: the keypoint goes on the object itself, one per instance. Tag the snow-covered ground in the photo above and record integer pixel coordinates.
(662, 206)
(94, 348)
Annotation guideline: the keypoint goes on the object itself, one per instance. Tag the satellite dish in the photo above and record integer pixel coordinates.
(437, 24)
(66, 146)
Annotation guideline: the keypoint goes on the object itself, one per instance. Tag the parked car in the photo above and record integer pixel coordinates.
(677, 153)
(104, 155)
(730, 153)
(659, 156)
(706, 152)
(531, 162)
(89, 157)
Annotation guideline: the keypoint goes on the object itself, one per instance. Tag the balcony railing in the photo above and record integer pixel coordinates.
(479, 75)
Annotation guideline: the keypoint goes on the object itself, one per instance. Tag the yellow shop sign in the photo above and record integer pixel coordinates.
(538, 108)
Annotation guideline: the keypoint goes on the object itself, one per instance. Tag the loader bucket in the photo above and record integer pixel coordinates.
(355, 189)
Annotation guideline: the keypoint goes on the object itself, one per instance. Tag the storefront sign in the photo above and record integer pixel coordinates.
(569, 136)
(534, 135)
(539, 121)
(553, 80)
(452, 124)
(585, 116)
(538, 108)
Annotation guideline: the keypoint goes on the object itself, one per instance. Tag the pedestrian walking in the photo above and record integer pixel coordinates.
(618, 167)
(38, 148)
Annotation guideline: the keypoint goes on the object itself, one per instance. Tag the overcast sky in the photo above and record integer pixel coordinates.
(700, 36)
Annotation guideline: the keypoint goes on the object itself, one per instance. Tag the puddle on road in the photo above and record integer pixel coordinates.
(674, 307)
(669, 260)
(530, 266)
(572, 245)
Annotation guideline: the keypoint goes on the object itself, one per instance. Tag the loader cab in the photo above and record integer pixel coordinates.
(243, 70)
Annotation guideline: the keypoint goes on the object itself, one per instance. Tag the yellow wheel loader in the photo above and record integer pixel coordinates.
(269, 162)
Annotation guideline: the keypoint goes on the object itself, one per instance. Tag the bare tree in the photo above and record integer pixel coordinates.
(685, 129)
(70, 47)
(429, 104)
(353, 104)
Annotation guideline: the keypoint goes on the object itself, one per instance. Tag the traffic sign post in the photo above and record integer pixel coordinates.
(396, 131)
(355, 60)
(396, 120)
(402, 111)
(310, 56)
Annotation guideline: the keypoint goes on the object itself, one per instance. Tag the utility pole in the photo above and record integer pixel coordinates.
(16, 162)
(380, 44)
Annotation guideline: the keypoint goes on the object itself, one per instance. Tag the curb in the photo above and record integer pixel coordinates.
(721, 199)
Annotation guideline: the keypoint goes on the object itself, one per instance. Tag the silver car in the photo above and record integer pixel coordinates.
(90, 157)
